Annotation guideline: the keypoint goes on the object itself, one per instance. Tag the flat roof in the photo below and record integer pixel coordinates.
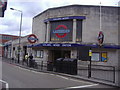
(75, 5)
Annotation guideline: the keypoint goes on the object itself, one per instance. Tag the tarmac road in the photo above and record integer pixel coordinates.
(18, 77)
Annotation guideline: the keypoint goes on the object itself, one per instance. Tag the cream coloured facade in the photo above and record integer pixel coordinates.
(89, 16)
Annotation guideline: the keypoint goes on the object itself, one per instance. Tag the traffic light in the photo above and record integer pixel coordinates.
(3, 6)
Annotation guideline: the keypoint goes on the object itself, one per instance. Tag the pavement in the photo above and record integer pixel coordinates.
(62, 74)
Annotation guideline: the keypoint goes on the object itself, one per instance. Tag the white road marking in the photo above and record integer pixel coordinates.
(31, 70)
(91, 84)
(62, 77)
(57, 76)
(7, 86)
(84, 86)
(81, 81)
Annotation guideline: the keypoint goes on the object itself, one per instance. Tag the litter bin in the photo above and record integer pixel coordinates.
(66, 65)
(73, 66)
(58, 65)
(49, 66)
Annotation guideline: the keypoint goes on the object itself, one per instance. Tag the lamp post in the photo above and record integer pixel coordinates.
(19, 32)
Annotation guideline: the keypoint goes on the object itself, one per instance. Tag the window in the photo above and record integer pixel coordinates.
(61, 31)
(79, 31)
(95, 56)
(39, 54)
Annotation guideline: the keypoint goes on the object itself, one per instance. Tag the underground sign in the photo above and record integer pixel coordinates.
(32, 38)
(61, 31)
(100, 38)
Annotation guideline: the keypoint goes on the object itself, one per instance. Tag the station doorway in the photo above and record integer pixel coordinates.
(55, 54)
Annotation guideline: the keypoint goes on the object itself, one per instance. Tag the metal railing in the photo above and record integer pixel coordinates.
(101, 72)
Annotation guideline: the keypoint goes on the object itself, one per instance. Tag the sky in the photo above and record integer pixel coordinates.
(10, 24)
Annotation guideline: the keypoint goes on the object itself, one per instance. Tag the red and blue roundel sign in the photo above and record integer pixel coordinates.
(61, 31)
(32, 38)
(100, 38)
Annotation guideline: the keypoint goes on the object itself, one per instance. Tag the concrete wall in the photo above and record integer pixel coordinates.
(39, 27)
(109, 21)
(91, 25)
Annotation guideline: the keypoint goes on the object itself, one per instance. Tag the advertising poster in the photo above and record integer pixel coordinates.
(104, 57)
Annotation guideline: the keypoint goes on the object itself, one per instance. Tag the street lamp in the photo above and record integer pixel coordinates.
(19, 33)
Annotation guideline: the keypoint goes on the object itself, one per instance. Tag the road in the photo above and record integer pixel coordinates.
(17, 77)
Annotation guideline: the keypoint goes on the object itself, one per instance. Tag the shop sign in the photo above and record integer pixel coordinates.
(58, 31)
(47, 44)
(56, 45)
(32, 38)
(65, 18)
(66, 45)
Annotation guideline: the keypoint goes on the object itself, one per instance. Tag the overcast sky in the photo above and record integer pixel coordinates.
(11, 22)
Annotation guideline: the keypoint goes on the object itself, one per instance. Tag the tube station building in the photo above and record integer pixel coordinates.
(65, 31)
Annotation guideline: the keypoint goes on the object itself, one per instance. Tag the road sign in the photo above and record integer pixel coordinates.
(32, 38)
(100, 38)
(90, 52)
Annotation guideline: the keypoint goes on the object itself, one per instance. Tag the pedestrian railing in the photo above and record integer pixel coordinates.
(83, 70)
(100, 72)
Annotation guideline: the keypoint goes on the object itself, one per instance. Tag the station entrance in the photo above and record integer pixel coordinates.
(61, 54)
(55, 54)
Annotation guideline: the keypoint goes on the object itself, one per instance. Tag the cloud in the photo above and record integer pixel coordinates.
(30, 8)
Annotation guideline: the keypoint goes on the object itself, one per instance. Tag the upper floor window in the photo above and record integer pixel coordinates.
(79, 31)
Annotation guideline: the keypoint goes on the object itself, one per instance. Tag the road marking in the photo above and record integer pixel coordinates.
(56, 75)
(81, 81)
(30, 70)
(84, 86)
(7, 86)
(62, 77)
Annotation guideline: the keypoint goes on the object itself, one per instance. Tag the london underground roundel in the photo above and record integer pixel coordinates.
(61, 31)
(32, 38)
(100, 38)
